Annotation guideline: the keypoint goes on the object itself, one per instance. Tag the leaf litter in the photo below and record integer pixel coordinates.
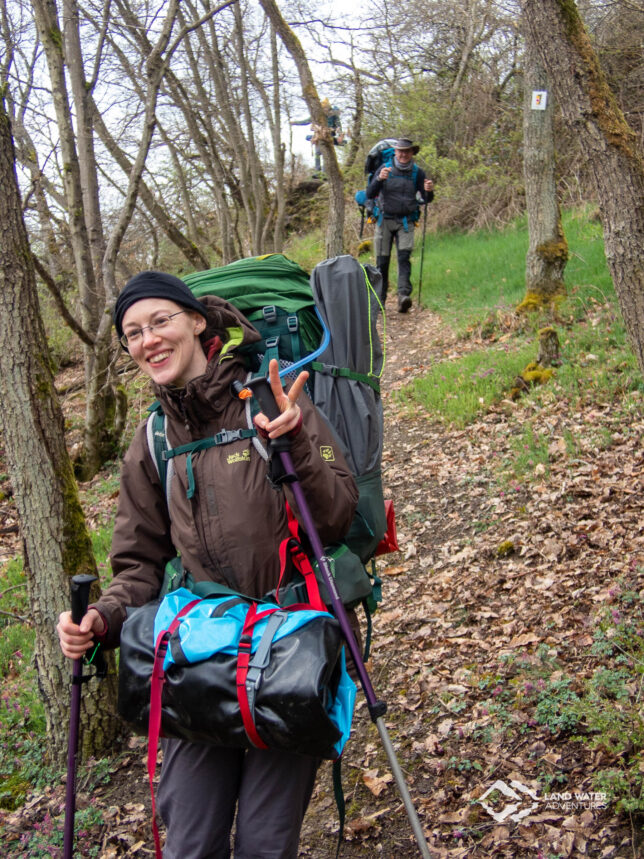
(455, 609)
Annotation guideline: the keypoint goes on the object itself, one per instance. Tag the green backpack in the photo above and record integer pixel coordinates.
(277, 296)
(274, 294)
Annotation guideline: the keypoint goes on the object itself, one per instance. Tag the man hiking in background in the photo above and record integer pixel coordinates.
(398, 187)
(334, 123)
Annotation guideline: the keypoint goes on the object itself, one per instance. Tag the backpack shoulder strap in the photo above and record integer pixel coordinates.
(158, 444)
(163, 453)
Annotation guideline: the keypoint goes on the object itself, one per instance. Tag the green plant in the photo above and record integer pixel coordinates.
(24, 761)
(528, 450)
(555, 706)
(459, 391)
(464, 765)
(609, 710)
(45, 841)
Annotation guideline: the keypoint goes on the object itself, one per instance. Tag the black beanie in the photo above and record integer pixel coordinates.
(154, 284)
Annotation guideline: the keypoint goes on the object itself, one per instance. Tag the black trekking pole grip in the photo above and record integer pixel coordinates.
(261, 389)
(80, 586)
(80, 595)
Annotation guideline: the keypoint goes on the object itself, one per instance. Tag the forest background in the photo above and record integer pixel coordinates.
(160, 136)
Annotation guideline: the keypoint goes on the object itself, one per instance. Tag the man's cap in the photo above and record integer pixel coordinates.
(154, 284)
(406, 143)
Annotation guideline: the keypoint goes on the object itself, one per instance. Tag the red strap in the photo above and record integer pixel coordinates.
(154, 721)
(243, 658)
(300, 561)
(293, 524)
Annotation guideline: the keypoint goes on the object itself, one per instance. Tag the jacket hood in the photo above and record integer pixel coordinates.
(228, 322)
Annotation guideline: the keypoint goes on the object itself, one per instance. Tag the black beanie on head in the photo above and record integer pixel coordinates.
(154, 284)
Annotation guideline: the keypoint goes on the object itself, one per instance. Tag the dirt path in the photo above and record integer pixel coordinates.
(458, 609)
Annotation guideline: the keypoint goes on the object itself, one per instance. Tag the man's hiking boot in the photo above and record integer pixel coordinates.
(404, 303)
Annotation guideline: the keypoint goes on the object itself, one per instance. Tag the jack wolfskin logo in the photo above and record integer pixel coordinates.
(327, 453)
(244, 456)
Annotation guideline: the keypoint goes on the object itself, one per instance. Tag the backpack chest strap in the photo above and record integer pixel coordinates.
(223, 437)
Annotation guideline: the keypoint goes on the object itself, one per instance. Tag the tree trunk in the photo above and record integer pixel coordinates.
(257, 189)
(548, 250)
(278, 150)
(335, 224)
(611, 147)
(81, 203)
(84, 108)
(56, 541)
(549, 348)
(356, 125)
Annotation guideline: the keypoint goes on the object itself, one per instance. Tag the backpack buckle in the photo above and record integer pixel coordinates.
(272, 342)
(293, 324)
(227, 436)
(270, 313)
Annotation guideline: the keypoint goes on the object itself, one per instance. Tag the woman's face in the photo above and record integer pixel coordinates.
(171, 354)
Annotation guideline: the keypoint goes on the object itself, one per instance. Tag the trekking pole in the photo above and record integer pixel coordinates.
(80, 598)
(422, 253)
(377, 709)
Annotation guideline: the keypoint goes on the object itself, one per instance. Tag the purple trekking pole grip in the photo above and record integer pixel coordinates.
(80, 586)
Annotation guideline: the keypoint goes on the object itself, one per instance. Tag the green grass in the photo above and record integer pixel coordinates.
(474, 284)
(24, 764)
(16, 637)
(23, 759)
(465, 276)
(458, 391)
(306, 250)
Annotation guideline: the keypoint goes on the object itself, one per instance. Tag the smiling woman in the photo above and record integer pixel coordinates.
(159, 321)
(226, 523)
(163, 341)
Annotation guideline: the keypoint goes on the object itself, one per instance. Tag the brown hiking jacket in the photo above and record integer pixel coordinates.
(231, 529)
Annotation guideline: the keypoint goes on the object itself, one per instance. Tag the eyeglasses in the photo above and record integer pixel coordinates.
(135, 336)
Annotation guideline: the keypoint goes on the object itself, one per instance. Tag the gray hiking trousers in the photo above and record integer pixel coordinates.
(202, 786)
(390, 230)
(386, 233)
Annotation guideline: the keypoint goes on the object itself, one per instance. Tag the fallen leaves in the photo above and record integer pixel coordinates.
(376, 783)
(454, 615)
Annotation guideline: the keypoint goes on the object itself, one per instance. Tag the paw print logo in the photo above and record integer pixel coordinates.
(327, 453)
